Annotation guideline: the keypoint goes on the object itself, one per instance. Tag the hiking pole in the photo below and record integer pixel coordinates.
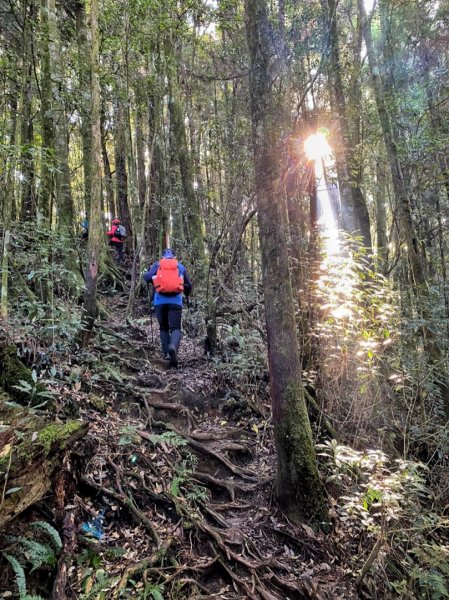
(151, 315)
(151, 329)
(187, 323)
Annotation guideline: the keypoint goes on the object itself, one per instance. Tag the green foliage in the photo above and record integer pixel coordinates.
(34, 391)
(243, 356)
(103, 582)
(19, 573)
(50, 531)
(380, 497)
(168, 437)
(23, 551)
(153, 591)
(129, 435)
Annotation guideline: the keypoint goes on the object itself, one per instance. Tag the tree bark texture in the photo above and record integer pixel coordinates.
(347, 153)
(397, 176)
(96, 223)
(298, 487)
(192, 209)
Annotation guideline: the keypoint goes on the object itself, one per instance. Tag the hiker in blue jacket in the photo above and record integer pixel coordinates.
(170, 280)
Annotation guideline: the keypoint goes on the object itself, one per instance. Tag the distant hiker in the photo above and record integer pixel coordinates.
(117, 234)
(170, 280)
(85, 229)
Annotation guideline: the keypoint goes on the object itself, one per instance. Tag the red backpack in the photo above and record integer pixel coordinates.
(167, 279)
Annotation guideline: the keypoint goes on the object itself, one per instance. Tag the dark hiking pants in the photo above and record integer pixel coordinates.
(169, 317)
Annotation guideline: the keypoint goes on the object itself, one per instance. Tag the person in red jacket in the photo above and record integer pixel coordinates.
(116, 238)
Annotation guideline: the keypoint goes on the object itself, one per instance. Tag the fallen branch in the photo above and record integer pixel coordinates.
(152, 560)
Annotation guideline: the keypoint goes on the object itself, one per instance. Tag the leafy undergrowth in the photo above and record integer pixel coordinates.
(170, 494)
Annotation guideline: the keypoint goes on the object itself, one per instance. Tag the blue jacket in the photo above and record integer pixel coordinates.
(162, 298)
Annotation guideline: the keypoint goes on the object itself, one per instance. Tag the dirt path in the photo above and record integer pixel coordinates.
(180, 465)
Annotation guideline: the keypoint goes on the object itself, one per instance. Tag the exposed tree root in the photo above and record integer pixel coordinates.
(243, 473)
(128, 503)
(152, 560)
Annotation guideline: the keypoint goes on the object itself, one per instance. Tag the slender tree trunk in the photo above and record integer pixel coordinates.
(431, 344)
(349, 185)
(28, 201)
(381, 219)
(399, 186)
(109, 185)
(85, 100)
(46, 183)
(121, 174)
(298, 487)
(192, 209)
(95, 225)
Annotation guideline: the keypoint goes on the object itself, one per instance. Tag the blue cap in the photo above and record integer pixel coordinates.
(168, 253)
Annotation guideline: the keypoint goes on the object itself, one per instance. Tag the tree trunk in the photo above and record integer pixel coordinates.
(47, 163)
(85, 100)
(121, 175)
(349, 164)
(298, 487)
(95, 220)
(399, 186)
(64, 201)
(31, 451)
(28, 201)
(192, 209)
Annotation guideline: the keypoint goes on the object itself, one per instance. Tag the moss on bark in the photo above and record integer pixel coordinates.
(31, 449)
(298, 487)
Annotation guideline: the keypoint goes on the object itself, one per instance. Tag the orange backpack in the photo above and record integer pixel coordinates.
(167, 279)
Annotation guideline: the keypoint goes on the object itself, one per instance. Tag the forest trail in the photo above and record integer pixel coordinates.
(181, 465)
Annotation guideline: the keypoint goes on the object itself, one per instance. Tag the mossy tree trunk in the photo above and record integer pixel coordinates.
(28, 200)
(298, 487)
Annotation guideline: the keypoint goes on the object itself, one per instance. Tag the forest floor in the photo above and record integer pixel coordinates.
(170, 494)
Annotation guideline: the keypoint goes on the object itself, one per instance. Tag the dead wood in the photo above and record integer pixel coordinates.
(152, 560)
(69, 545)
(31, 450)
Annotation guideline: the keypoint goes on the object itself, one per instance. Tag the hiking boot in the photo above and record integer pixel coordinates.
(172, 355)
(166, 356)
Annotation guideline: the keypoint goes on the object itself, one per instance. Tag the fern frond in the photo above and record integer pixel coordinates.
(36, 553)
(154, 592)
(52, 533)
(168, 437)
(102, 583)
(19, 572)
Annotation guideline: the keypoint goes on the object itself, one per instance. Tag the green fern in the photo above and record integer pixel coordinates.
(168, 437)
(175, 485)
(52, 533)
(433, 583)
(102, 583)
(19, 573)
(154, 592)
(36, 553)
